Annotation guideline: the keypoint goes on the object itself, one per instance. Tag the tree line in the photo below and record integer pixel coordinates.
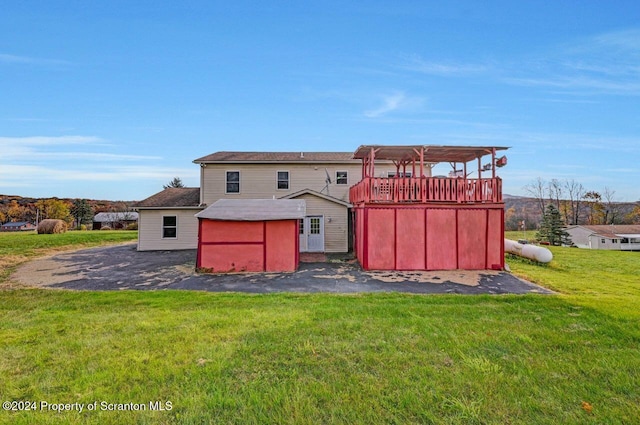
(74, 212)
(575, 204)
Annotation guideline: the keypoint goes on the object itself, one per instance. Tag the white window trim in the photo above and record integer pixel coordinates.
(347, 176)
(288, 179)
(226, 182)
(169, 227)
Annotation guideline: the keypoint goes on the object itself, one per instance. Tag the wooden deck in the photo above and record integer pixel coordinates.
(426, 190)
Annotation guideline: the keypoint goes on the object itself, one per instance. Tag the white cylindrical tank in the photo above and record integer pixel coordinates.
(532, 252)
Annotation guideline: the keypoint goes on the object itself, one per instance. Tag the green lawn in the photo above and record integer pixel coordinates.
(375, 358)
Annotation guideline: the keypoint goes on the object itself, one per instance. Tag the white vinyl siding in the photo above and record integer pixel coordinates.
(150, 229)
(335, 222)
(257, 180)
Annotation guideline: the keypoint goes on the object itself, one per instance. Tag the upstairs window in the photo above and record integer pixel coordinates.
(233, 181)
(169, 226)
(283, 180)
(342, 177)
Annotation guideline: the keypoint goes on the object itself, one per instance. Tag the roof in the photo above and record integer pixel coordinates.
(172, 197)
(276, 157)
(110, 217)
(255, 209)
(319, 195)
(17, 224)
(432, 153)
(613, 231)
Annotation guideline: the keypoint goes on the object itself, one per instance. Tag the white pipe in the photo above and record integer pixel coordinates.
(532, 252)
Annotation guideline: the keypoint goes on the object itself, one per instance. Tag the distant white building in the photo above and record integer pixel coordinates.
(621, 237)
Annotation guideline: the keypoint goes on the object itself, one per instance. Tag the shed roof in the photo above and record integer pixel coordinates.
(255, 210)
(17, 224)
(432, 153)
(225, 156)
(110, 217)
(172, 197)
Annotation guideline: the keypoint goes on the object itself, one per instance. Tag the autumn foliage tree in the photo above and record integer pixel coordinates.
(54, 209)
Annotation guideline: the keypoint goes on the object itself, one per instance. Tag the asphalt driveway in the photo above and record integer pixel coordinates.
(122, 267)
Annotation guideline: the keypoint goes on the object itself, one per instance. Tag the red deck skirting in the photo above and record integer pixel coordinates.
(434, 237)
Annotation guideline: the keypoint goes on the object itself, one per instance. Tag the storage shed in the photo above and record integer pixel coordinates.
(250, 235)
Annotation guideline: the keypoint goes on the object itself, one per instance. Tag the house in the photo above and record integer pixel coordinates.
(250, 235)
(412, 221)
(321, 179)
(620, 237)
(114, 220)
(381, 201)
(17, 226)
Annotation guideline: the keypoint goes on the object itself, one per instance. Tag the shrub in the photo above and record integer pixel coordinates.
(50, 226)
(83, 227)
(132, 226)
(105, 228)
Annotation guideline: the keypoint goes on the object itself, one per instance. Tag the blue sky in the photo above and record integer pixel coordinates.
(112, 99)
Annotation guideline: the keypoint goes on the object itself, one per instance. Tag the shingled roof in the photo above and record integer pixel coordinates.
(172, 197)
(224, 156)
(613, 231)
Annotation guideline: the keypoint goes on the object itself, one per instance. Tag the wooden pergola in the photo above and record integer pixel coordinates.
(421, 156)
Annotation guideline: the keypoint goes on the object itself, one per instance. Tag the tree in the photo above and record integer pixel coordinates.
(611, 206)
(596, 209)
(552, 228)
(54, 208)
(15, 211)
(176, 182)
(575, 190)
(537, 190)
(82, 212)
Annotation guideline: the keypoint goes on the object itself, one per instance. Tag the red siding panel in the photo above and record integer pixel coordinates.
(441, 239)
(472, 230)
(410, 243)
(380, 239)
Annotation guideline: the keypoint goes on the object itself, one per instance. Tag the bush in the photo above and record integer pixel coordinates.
(83, 227)
(51, 226)
(105, 228)
(132, 226)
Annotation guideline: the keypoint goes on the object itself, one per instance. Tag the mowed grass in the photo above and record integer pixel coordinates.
(375, 358)
(16, 248)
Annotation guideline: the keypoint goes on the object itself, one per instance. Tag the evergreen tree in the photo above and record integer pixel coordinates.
(82, 212)
(552, 228)
(176, 182)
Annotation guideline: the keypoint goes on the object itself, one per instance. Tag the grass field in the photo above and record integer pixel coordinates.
(375, 358)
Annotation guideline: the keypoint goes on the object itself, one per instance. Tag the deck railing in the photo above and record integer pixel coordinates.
(426, 189)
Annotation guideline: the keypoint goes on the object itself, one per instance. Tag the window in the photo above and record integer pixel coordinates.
(341, 177)
(283, 180)
(314, 226)
(614, 241)
(233, 182)
(169, 226)
(603, 241)
(301, 226)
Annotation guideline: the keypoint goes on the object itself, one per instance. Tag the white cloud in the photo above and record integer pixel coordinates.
(449, 69)
(49, 140)
(27, 60)
(393, 102)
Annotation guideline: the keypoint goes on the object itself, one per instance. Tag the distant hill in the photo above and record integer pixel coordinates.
(26, 210)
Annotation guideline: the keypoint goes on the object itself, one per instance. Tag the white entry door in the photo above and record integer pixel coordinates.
(312, 234)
